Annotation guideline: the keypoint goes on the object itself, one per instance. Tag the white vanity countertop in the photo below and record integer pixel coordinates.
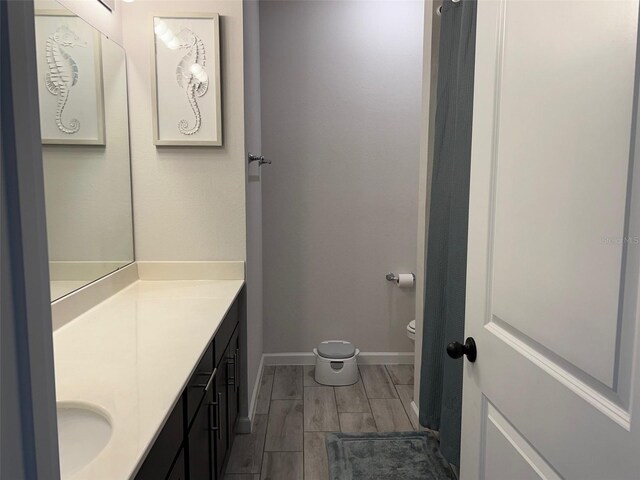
(131, 357)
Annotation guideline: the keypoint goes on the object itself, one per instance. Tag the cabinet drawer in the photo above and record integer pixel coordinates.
(195, 390)
(158, 463)
(225, 331)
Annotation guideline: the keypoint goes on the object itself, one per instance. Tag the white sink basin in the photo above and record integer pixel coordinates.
(82, 435)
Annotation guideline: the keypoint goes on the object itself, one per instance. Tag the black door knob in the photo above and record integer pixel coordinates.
(456, 349)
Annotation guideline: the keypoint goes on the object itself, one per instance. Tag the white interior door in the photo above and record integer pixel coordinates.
(554, 244)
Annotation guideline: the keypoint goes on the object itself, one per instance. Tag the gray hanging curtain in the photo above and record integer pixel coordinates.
(446, 264)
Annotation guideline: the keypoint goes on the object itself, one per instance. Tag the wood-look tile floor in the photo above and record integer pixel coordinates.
(294, 414)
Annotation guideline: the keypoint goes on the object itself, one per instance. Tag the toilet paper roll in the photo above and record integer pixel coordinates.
(405, 280)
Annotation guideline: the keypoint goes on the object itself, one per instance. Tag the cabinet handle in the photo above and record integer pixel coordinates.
(217, 428)
(208, 384)
(230, 380)
(235, 371)
(233, 381)
(212, 428)
(213, 375)
(217, 405)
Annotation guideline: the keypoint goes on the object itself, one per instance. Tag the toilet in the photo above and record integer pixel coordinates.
(411, 330)
(336, 363)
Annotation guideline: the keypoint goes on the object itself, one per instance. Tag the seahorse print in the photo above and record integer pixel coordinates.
(63, 72)
(191, 76)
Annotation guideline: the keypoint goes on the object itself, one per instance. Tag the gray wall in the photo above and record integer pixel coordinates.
(341, 119)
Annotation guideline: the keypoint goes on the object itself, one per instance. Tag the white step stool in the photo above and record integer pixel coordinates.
(336, 363)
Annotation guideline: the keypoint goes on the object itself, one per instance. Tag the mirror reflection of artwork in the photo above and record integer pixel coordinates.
(70, 87)
(187, 80)
(63, 72)
(87, 187)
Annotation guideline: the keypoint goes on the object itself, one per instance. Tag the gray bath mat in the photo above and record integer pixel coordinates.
(386, 456)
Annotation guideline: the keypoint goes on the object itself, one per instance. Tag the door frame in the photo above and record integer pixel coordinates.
(29, 436)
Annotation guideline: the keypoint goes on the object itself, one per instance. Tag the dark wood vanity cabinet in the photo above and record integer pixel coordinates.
(195, 442)
(166, 448)
(178, 471)
(199, 442)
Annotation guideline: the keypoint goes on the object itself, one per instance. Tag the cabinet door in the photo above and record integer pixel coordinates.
(223, 336)
(166, 447)
(233, 385)
(220, 430)
(200, 448)
(178, 471)
(195, 391)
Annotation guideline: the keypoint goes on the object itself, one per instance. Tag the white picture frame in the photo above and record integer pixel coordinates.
(70, 84)
(186, 87)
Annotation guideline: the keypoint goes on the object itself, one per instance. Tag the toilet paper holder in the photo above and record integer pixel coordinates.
(392, 277)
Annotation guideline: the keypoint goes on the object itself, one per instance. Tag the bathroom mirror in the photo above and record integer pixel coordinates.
(84, 121)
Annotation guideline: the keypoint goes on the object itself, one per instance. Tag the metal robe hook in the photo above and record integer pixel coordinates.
(258, 158)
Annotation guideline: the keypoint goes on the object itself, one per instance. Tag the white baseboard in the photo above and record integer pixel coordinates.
(245, 424)
(253, 403)
(365, 358)
(415, 409)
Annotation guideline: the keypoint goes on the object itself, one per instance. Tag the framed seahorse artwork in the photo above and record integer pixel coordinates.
(187, 107)
(70, 82)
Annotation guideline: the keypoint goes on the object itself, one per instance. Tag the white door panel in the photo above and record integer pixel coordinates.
(507, 454)
(553, 261)
(563, 135)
